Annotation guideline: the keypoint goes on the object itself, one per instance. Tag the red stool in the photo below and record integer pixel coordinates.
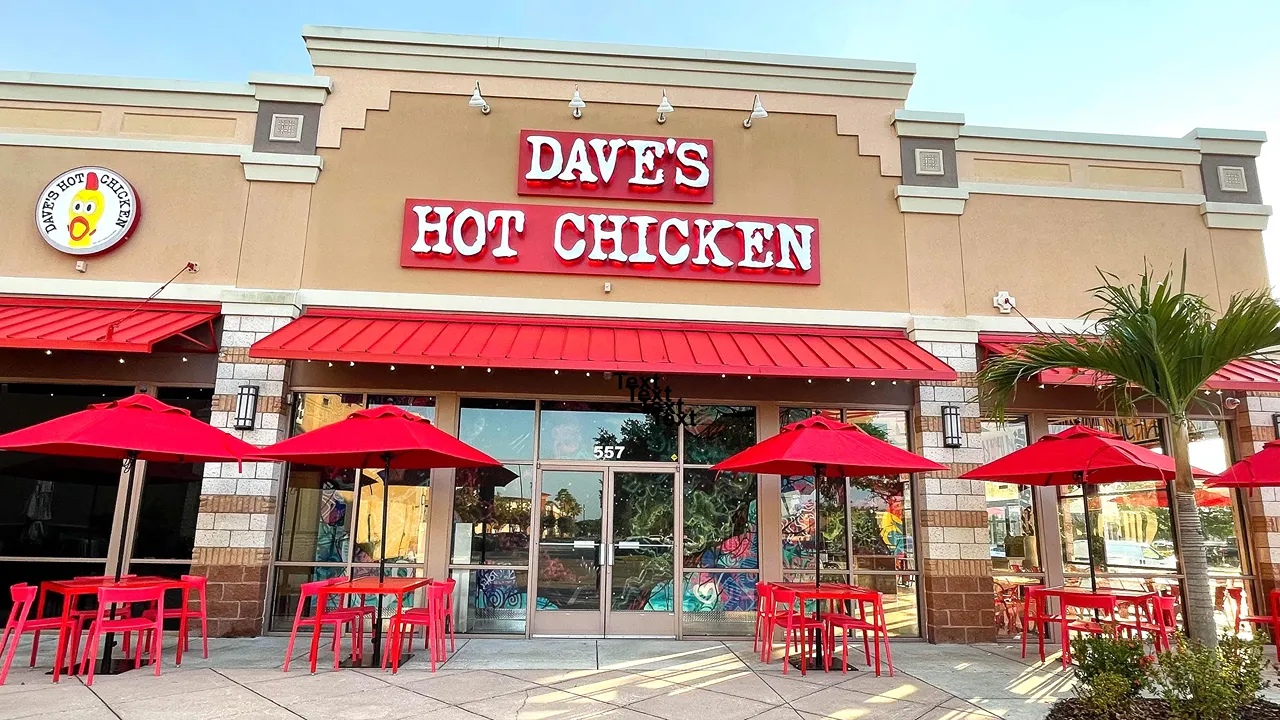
(353, 616)
(153, 628)
(1100, 604)
(795, 626)
(766, 617)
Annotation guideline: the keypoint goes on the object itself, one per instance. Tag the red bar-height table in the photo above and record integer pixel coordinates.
(371, 585)
(831, 592)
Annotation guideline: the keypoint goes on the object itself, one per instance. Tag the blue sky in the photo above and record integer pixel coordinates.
(1143, 68)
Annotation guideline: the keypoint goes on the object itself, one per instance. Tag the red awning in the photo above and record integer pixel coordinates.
(616, 345)
(1237, 375)
(102, 325)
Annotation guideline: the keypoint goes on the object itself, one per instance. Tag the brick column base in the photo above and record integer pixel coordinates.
(237, 589)
(959, 598)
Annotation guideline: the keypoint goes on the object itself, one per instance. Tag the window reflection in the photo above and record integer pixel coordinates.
(501, 428)
(718, 432)
(492, 511)
(1011, 522)
(170, 502)
(719, 520)
(605, 431)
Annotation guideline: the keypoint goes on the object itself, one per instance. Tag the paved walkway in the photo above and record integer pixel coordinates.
(553, 680)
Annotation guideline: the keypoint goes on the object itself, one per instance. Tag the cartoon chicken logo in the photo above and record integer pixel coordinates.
(85, 211)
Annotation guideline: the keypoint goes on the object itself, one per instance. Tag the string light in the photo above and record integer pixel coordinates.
(48, 352)
(184, 359)
(810, 381)
(393, 367)
(330, 364)
(488, 370)
(873, 382)
(557, 372)
(121, 361)
(353, 363)
(1041, 386)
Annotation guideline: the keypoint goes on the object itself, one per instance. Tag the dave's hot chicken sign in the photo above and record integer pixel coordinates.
(86, 211)
(619, 241)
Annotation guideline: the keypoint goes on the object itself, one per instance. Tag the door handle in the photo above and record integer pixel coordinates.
(610, 554)
(600, 555)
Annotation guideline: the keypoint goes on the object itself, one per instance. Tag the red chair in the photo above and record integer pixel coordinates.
(1035, 613)
(878, 626)
(795, 626)
(448, 611)
(431, 617)
(1149, 618)
(152, 628)
(766, 618)
(20, 621)
(1272, 621)
(197, 584)
(1083, 622)
(338, 617)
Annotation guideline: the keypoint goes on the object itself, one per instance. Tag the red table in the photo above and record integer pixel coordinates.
(370, 585)
(72, 590)
(831, 592)
(1133, 598)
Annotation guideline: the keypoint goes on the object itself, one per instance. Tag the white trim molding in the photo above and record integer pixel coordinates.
(1235, 216)
(95, 142)
(279, 167)
(280, 87)
(1079, 193)
(1216, 141)
(145, 92)
(919, 123)
(1096, 146)
(123, 289)
(599, 62)
(931, 200)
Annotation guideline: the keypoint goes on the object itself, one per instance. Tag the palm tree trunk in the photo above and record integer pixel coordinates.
(1201, 626)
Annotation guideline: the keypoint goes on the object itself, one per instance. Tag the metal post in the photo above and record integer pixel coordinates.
(382, 561)
(131, 465)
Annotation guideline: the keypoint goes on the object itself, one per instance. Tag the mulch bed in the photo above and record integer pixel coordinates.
(1150, 709)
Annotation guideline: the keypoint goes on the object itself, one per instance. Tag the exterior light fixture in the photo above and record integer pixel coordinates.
(951, 426)
(1275, 423)
(477, 101)
(48, 352)
(246, 407)
(757, 113)
(576, 104)
(664, 107)
(393, 367)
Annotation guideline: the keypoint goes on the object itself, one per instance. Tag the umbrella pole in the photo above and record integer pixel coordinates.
(132, 462)
(382, 560)
(818, 472)
(1088, 534)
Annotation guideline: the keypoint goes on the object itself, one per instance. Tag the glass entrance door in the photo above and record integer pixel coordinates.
(606, 553)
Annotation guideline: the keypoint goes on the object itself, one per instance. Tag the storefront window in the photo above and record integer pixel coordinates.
(501, 428)
(53, 509)
(332, 518)
(492, 510)
(170, 503)
(867, 520)
(1011, 521)
(622, 432)
(718, 431)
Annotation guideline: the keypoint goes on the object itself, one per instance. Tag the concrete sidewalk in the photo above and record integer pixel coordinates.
(551, 680)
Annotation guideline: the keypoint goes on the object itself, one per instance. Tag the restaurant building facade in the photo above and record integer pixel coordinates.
(609, 267)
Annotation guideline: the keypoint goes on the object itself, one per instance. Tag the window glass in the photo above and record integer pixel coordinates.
(317, 513)
(408, 500)
(1011, 522)
(718, 432)
(718, 603)
(1209, 451)
(501, 428)
(719, 520)
(605, 431)
(880, 521)
(491, 600)
(492, 510)
(422, 405)
(52, 506)
(798, 549)
(789, 415)
(170, 502)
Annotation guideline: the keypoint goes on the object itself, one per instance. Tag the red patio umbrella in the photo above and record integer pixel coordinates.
(138, 427)
(387, 437)
(825, 448)
(1261, 469)
(1080, 455)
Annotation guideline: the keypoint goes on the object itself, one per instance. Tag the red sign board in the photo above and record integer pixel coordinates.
(608, 241)
(651, 169)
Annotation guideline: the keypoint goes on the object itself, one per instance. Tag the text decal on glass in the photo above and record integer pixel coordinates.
(458, 235)
(619, 167)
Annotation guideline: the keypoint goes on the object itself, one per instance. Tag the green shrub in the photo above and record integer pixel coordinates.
(1103, 656)
(1107, 695)
(1202, 683)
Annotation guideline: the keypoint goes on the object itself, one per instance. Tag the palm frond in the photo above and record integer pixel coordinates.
(1150, 340)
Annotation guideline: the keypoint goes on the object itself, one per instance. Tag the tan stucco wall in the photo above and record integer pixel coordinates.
(191, 210)
(275, 236)
(935, 264)
(431, 146)
(1239, 260)
(1046, 251)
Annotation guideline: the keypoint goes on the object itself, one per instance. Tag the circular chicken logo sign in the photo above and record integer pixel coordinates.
(87, 211)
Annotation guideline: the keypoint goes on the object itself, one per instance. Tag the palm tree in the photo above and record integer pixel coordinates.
(1151, 341)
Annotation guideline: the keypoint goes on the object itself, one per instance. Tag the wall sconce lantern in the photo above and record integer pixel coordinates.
(951, 426)
(1275, 424)
(246, 407)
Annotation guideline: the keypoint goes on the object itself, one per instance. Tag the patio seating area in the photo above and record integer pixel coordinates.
(553, 680)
